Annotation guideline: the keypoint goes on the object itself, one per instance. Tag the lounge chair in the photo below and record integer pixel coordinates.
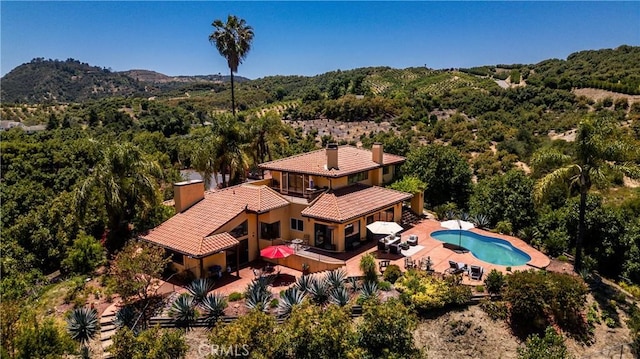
(456, 268)
(476, 272)
(413, 240)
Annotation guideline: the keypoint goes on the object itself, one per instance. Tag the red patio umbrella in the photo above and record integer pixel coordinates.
(276, 252)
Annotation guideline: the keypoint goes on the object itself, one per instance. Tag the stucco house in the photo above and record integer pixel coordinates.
(324, 198)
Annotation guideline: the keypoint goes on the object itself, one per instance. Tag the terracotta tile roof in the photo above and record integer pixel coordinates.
(217, 242)
(350, 202)
(187, 232)
(350, 160)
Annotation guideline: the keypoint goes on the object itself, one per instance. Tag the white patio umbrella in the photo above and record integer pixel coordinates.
(459, 225)
(381, 227)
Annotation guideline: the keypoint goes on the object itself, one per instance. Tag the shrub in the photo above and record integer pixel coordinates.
(384, 286)
(427, 292)
(563, 258)
(235, 296)
(504, 227)
(387, 328)
(494, 282)
(495, 310)
(368, 268)
(480, 289)
(550, 346)
(556, 242)
(537, 298)
(84, 256)
(392, 273)
(274, 303)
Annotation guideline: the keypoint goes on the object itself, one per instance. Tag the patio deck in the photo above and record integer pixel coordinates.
(440, 256)
(427, 247)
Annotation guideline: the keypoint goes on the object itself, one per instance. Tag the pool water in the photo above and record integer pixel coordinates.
(488, 249)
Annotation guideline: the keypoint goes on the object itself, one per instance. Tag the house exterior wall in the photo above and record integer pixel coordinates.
(387, 178)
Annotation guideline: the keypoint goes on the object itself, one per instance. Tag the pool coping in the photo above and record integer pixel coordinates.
(441, 256)
(473, 235)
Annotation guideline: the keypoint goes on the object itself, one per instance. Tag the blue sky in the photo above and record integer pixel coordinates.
(308, 38)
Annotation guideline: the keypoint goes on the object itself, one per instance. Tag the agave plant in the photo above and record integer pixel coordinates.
(199, 288)
(257, 297)
(481, 221)
(339, 296)
(450, 214)
(353, 283)
(369, 290)
(289, 298)
(83, 325)
(183, 311)
(304, 283)
(213, 306)
(464, 216)
(336, 278)
(125, 317)
(320, 291)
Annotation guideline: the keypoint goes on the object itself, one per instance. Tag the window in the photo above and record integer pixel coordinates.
(270, 230)
(386, 170)
(297, 224)
(296, 183)
(358, 177)
(176, 257)
(241, 230)
(352, 228)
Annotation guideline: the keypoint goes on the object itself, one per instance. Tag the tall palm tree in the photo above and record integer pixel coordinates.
(233, 41)
(599, 149)
(127, 181)
(83, 326)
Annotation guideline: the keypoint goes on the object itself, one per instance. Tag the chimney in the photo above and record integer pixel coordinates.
(187, 193)
(377, 153)
(332, 156)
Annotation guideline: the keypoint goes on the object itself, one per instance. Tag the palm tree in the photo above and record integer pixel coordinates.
(203, 158)
(83, 326)
(233, 41)
(127, 180)
(599, 149)
(231, 147)
(265, 133)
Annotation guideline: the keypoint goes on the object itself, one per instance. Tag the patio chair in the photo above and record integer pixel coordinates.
(383, 265)
(413, 240)
(476, 272)
(409, 263)
(456, 268)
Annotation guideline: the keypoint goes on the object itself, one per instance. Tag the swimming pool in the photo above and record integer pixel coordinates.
(489, 249)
